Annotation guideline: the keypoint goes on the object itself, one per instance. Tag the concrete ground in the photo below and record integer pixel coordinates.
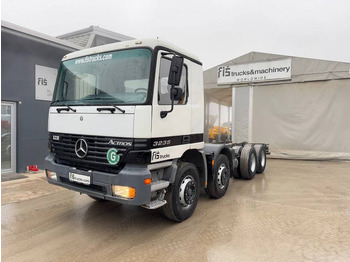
(295, 211)
(11, 176)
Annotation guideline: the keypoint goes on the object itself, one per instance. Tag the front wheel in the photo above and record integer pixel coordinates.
(218, 185)
(182, 196)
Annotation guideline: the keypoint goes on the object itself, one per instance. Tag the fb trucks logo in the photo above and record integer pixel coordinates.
(156, 155)
(255, 72)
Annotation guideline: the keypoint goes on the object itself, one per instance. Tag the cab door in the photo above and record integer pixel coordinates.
(173, 130)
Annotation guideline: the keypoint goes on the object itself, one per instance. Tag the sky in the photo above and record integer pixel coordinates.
(215, 31)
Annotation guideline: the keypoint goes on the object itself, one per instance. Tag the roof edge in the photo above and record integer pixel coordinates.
(277, 56)
(97, 29)
(34, 34)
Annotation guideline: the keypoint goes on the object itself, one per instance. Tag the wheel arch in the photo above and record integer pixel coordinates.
(197, 158)
(227, 152)
(216, 150)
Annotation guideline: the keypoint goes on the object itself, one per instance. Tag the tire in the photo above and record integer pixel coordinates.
(218, 185)
(261, 157)
(97, 198)
(237, 171)
(180, 207)
(248, 162)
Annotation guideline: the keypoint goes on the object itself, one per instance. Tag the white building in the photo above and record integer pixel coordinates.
(300, 106)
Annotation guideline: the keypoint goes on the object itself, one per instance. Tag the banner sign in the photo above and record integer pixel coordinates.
(254, 72)
(45, 78)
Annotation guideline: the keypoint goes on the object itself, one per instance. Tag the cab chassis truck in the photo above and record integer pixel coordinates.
(126, 124)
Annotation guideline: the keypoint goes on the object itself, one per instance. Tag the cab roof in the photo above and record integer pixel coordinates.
(151, 43)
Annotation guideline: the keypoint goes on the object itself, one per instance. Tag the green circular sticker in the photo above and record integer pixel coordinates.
(112, 156)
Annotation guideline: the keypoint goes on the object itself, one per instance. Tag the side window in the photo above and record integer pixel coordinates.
(164, 88)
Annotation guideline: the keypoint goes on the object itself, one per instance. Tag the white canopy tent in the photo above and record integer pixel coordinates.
(305, 115)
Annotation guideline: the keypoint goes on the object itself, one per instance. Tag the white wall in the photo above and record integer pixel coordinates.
(241, 105)
(308, 120)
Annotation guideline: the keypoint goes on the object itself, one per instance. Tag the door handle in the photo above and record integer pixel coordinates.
(186, 139)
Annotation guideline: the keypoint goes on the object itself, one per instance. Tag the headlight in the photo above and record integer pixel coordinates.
(51, 175)
(123, 191)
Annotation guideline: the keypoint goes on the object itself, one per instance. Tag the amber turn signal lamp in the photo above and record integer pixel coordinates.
(147, 181)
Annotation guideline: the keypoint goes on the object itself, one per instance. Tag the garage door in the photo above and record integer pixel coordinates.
(308, 120)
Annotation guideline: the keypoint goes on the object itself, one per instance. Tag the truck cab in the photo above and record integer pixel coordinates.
(126, 124)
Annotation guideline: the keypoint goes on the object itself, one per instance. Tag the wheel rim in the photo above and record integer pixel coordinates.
(188, 191)
(222, 176)
(263, 159)
(253, 164)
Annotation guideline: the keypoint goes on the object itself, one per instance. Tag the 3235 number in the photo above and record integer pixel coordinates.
(161, 143)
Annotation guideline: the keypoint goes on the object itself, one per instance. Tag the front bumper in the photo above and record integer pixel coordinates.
(101, 183)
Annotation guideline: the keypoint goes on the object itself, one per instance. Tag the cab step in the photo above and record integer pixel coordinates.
(159, 184)
(155, 204)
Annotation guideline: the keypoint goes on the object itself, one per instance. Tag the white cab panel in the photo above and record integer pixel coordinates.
(199, 145)
(167, 153)
(88, 121)
(143, 122)
(175, 123)
(195, 83)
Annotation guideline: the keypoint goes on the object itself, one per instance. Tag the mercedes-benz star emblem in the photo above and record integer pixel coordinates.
(81, 148)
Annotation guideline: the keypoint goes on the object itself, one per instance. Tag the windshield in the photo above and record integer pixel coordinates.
(119, 77)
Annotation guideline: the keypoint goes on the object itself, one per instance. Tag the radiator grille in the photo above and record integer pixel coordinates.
(64, 150)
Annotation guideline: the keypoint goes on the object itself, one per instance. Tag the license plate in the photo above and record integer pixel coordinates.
(73, 177)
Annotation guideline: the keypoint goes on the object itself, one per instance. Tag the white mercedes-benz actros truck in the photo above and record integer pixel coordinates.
(126, 124)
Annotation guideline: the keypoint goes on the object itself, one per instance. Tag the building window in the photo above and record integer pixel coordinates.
(8, 137)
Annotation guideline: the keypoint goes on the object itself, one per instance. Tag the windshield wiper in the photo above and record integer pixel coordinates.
(66, 109)
(63, 109)
(121, 110)
(110, 109)
(107, 102)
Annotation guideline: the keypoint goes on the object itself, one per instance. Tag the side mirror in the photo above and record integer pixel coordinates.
(175, 70)
(174, 80)
(176, 93)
